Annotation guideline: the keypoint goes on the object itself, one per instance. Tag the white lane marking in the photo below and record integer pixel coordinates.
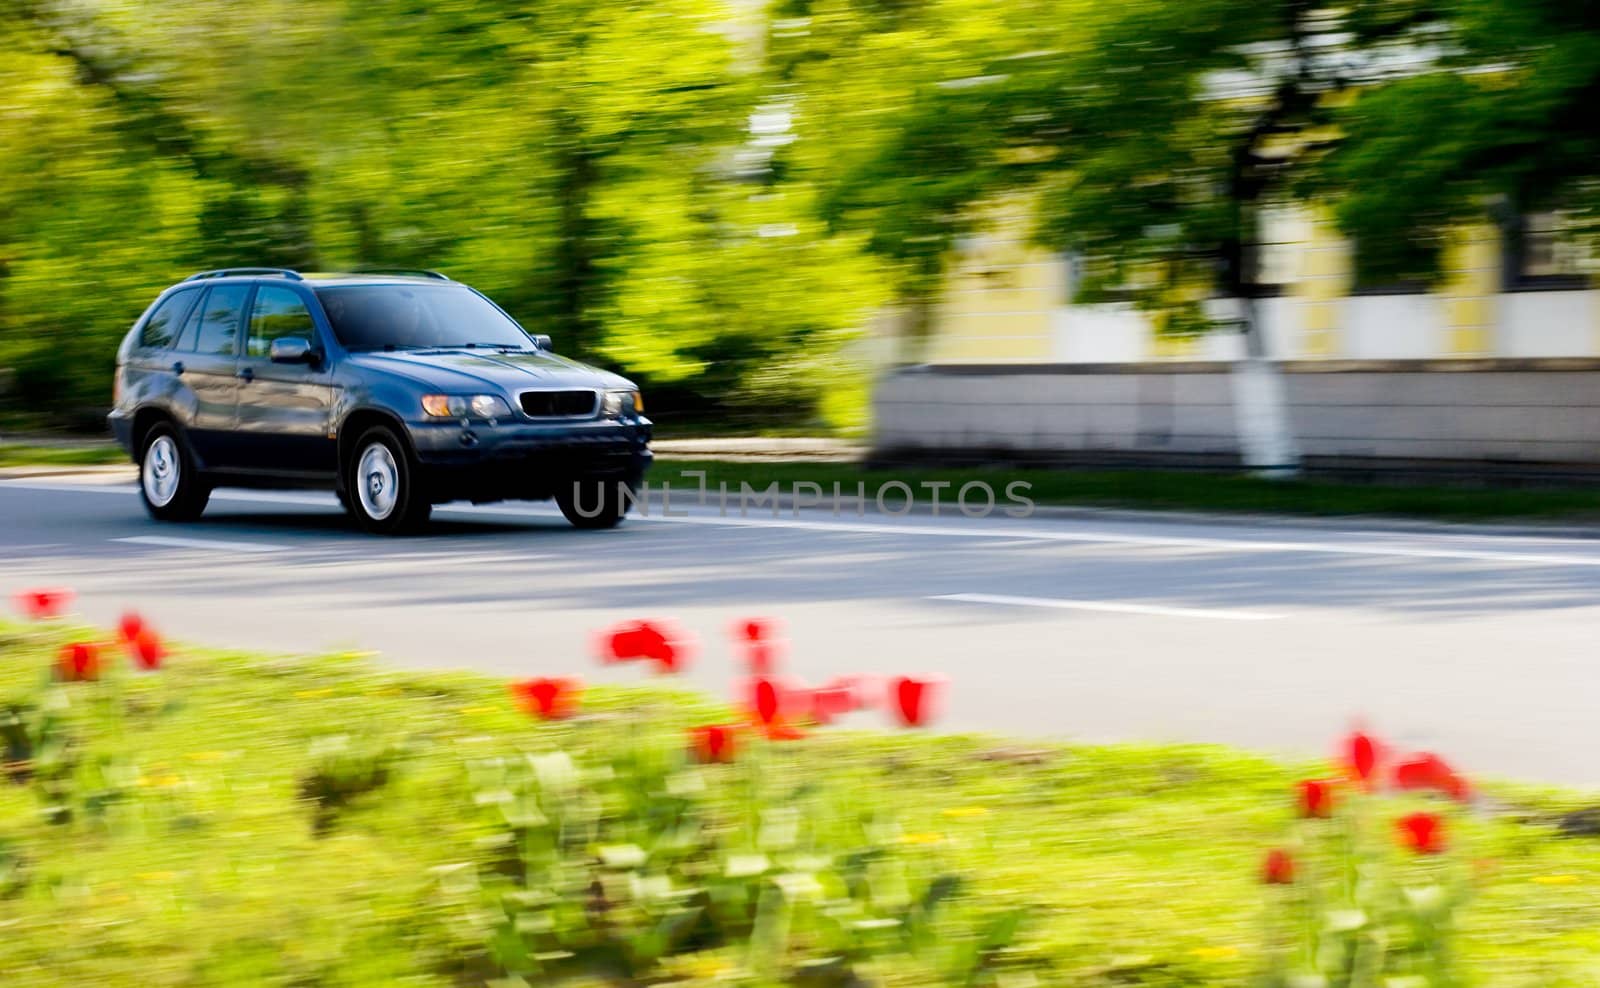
(182, 543)
(1105, 605)
(975, 532)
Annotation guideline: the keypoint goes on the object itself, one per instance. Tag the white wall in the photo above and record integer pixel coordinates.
(1113, 333)
(1369, 327)
(1488, 413)
(1393, 327)
(1548, 324)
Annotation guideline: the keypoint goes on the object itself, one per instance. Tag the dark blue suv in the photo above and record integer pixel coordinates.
(398, 390)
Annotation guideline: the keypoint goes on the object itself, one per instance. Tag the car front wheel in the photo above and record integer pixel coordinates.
(169, 485)
(381, 485)
(592, 503)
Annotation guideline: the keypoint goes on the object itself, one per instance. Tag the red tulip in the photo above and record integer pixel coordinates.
(1316, 798)
(78, 663)
(43, 603)
(1362, 757)
(1422, 833)
(659, 643)
(774, 704)
(714, 743)
(147, 649)
(548, 698)
(1278, 869)
(1428, 771)
(916, 700)
(130, 626)
(755, 629)
(769, 700)
(621, 644)
(832, 701)
(762, 657)
(867, 691)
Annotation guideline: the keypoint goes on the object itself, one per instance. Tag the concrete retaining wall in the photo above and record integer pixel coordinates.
(1516, 418)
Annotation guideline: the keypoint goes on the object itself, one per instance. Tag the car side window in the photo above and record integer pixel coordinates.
(191, 325)
(277, 313)
(219, 323)
(162, 326)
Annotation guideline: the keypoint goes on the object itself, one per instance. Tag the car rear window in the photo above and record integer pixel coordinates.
(162, 326)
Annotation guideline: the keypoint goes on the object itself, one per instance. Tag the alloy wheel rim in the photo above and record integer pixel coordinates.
(161, 471)
(377, 481)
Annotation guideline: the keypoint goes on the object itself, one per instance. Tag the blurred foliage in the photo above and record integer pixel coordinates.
(719, 196)
(571, 159)
(1502, 121)
(1152, 135)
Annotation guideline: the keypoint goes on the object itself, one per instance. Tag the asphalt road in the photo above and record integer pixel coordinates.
(1480, 645)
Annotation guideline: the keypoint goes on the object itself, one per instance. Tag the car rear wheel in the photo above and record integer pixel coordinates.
(593, 504)
(381, 485)
(171, 488)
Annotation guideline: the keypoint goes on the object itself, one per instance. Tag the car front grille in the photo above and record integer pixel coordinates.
(560, 404)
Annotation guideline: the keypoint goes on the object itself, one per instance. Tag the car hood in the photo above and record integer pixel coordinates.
(468, 371)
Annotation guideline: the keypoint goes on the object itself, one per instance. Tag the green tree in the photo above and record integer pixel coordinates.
(1500, 118)
(578, 161)
(1153, 134)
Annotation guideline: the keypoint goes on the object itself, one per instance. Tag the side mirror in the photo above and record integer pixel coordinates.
(293, 350)
(542, 341)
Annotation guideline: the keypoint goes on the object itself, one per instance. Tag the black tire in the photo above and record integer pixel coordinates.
(170, 486)
(388, 500)
(592, 504)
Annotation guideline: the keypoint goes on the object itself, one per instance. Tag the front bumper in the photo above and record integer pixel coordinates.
(527, 461)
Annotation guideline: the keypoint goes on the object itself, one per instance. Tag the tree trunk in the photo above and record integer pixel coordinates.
(1260, 410)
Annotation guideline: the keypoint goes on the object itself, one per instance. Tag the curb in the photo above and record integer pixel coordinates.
(21, 473)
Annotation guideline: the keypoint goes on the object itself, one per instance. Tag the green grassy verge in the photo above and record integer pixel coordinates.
(22, 455)
(1157, 490)
(192, 856)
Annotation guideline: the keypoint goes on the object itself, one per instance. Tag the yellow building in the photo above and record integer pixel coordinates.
(1522, 292)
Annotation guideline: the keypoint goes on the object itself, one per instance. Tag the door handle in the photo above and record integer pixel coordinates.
(247, 375)
(177, 367)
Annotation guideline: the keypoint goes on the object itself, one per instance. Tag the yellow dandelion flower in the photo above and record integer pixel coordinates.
(1215, 953)
(709, 968)
(311, 694)
(157, 876)
(1556, 879)
(168, 781)
(207, 756)
(962, 812)
(921, 838)
(469, 711)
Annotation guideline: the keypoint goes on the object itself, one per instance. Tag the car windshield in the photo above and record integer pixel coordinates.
(411, 317)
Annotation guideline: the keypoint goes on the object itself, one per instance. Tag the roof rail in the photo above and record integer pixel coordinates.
(417, 272)
(229, 272)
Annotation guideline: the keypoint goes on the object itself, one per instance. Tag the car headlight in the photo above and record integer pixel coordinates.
(615, 404)
(465, 406)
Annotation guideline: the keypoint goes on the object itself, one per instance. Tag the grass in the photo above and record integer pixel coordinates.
(1154, 490)
(86, 454)
(204, 863)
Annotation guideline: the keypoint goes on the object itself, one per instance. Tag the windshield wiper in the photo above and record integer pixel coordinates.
(493, 346)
